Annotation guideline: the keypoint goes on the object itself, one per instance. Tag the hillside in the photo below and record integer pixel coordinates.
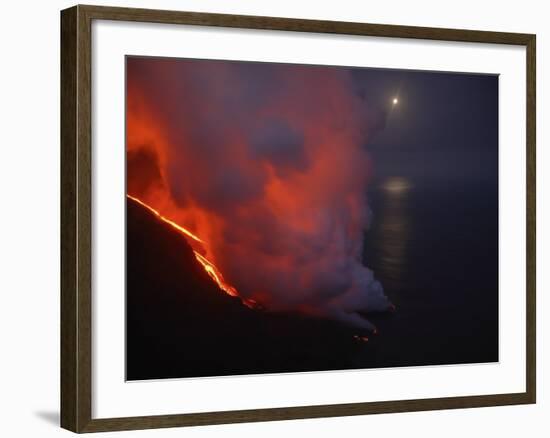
(180, 324)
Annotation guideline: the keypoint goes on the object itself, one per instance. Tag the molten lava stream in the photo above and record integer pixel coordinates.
(208, 266)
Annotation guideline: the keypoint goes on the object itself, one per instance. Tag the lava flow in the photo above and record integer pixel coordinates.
(165, 219)
(208, 266)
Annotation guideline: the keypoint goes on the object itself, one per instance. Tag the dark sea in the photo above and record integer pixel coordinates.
(435, 251)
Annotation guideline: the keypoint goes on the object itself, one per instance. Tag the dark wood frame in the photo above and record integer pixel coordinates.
(76, 173)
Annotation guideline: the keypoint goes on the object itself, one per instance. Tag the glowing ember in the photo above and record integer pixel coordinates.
(208, 266)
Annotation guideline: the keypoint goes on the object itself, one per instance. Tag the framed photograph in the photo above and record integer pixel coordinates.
(270, 218)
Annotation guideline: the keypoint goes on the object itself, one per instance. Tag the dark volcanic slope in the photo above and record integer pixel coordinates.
(180, 324)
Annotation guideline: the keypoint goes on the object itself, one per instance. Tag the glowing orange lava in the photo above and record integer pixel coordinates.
(165, 219)
(216, 275)
(208, 266)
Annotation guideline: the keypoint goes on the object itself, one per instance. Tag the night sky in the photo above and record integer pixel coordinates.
(444, 129)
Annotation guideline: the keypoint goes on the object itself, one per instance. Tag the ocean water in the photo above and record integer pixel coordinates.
(435, 250)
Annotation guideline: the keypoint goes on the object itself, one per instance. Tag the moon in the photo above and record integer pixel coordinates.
(395, 101)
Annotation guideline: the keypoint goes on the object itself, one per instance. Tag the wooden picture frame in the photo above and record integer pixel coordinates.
(76, 218)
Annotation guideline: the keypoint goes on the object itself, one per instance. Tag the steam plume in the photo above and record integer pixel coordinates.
(266, 163)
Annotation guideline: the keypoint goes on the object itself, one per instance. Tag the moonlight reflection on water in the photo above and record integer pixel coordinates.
(396, 185)
(394, 227)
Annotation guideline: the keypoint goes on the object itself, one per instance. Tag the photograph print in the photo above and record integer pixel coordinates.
(302, 218)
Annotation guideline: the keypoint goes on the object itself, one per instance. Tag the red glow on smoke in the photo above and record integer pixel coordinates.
(266, 163)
